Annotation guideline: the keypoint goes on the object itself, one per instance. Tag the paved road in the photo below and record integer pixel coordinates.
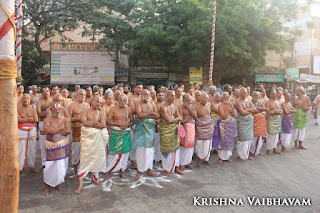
(294, 174)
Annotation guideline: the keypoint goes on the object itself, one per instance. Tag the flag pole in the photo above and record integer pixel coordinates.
(213, 31)
(8, 110)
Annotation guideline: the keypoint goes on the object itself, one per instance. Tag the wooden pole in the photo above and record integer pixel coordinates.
(8, 111)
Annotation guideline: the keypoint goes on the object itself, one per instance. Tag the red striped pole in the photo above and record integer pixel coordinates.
(213, 31)
(19, 21)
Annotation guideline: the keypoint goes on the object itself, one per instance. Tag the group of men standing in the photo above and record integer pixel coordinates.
(103, 132)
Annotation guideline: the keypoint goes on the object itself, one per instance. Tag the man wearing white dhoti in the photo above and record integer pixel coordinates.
(120, 118)
(189, 115)
(27, 134)
(287, 122)
(169, 138)
(204, 130)
(57, 129)
(144, 133)
(245, 108)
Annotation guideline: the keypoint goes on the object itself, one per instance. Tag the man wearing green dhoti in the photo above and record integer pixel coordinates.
(302, 105)
(169, 138)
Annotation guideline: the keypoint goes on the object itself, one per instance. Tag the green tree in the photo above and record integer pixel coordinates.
(48, 18)
(31, 61)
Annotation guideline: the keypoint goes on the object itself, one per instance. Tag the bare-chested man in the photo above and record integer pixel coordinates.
(259, 124)
(20, 90)
(42, 107)
(135, 97)
(302, 104)
(264, 97)
(279, 95)
(157, 149)
(235, 96)
(27, 134)
(274, 112)
(144, 133)
(197, 95)
(204, 130)
(74, 112)
(169, 138)
(89, 95)
(245, 109)
(66, 101)
(54, 90)
(287, 122)
(189, 116)
(214, 104)
(59, 99)
(212, 92)
(75, 93)
(34, 96)
(178, 97)
(153, 96)
(57, 128)
(93, 145)
(109, 103)
(227, 128)
(120, 118)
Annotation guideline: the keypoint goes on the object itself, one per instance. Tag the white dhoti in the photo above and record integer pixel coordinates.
(224, 154)
(55, 171)
(42, 138)
(243, 148)
(203, 148)
(171, 162)
(298, 134)
(318, 120)
(117, 162)
(75, 154)
(144, 158)
(272, 141)
(133, 151)
(27, 147)
(286, 139)
(157, 148)
(256, 145)
(186, 154)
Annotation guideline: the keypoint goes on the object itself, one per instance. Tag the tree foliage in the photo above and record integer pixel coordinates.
(31, 61)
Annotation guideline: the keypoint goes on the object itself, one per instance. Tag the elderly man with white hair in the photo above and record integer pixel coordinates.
(302, 105)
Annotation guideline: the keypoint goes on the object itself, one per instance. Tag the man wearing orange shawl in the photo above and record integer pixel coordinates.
(259, 124)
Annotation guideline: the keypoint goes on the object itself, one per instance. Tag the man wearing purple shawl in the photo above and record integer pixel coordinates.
(287, 122)
(227, 128)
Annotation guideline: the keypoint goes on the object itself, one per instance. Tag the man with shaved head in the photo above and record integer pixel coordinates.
(42, 107)
(120, 118)
(227, 128)
(89, 95)
(66, 100)
(259, 124)
(204, 130)
(178, 97)
(93, 145)
(75, 93)
(245, 119)
(27, 134)
(215, 116)
(189, 115)
(287, 122)
(74, 111)
(34, 96)
(212, 91)
(57, 98)
(169, 138)
(197, 95)
(57, 128)
(302, 104)
(274, 112)
(144, 133)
